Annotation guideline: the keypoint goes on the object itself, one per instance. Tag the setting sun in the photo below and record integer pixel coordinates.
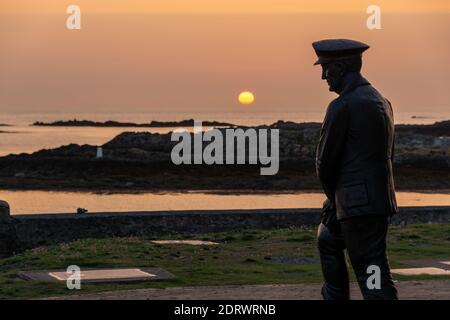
(246, 97)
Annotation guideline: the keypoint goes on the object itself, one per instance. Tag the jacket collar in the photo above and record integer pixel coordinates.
(354, 80)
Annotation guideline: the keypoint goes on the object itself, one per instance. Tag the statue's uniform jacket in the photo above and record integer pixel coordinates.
(355, 152)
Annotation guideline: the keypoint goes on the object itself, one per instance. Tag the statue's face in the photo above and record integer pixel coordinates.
(333, 73)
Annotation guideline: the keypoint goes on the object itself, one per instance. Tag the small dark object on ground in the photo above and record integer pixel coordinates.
(81, 211)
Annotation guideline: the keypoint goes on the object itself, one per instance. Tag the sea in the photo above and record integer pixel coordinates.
(19, 136)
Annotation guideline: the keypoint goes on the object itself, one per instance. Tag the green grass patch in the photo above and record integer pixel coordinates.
(282, 256)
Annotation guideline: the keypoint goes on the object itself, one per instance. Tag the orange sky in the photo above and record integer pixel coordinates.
(123, 62)
(226, 6)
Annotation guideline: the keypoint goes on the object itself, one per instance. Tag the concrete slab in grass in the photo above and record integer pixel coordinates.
(191, 242)
(421, 271)
(428, 263)
(113, 275)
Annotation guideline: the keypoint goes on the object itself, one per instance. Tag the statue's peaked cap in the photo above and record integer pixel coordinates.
(336, 49)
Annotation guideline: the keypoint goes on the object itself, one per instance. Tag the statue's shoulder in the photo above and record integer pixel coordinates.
(337, 109)
(336, 105)
(365, 94)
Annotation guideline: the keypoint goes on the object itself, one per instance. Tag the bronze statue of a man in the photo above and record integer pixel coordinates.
(354, 165)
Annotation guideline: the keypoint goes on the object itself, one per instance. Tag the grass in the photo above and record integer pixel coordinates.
(279, 256)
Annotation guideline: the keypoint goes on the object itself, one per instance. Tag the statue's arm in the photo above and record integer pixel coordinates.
(393, 142)
(330, 148)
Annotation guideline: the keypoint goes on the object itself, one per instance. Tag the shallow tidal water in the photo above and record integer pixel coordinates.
(32, 202)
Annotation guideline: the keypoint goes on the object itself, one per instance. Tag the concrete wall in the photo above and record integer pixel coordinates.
(38, 230)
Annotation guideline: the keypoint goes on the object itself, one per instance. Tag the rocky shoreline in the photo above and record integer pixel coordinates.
(117, 124)
(140, 161)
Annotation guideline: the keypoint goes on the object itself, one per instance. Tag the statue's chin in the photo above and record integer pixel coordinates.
(332, 88)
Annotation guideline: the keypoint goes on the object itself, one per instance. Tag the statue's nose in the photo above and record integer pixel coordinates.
(324, 74)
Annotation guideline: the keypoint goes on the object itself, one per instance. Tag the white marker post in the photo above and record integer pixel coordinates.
(99, 154)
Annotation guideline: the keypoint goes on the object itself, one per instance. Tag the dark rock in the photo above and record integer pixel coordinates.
(39, 230)
(141, 160)
(153, 124)
(8, 236)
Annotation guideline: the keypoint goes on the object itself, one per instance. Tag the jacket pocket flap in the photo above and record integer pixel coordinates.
(355, 195)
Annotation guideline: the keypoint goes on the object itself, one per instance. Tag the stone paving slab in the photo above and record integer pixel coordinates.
(429, 263)
(421, 271)
(115, 275)
(408, 290)
(190, 242)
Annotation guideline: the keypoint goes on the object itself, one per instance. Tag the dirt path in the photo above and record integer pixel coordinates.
(408, 290)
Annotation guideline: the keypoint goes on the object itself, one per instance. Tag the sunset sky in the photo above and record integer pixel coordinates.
(226, 6)
(190, 56)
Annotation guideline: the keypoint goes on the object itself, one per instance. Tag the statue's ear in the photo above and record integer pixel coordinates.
(341, 67)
